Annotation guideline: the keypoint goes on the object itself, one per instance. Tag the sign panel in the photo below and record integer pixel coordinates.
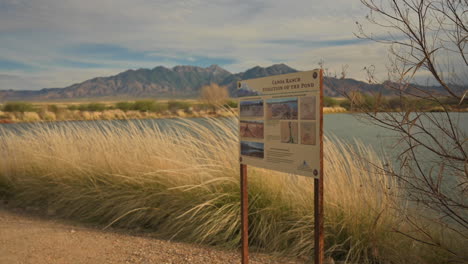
(280, 122)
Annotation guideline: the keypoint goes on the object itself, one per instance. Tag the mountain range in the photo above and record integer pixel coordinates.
(176, 82)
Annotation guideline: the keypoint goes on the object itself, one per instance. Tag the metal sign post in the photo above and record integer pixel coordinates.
(281, 128)
(318, 191)
(244, 214)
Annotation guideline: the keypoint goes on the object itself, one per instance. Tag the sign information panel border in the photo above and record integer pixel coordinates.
(280, 122)
(281, 128)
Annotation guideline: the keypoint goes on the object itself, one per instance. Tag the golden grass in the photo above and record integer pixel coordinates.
(114, 114)
(336, 109)
(182, 183)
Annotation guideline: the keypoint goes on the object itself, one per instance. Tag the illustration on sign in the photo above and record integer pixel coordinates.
(278, 126)
(252, 149)
(308, 108)
(251, 129)
(289, 132)
(283, 108)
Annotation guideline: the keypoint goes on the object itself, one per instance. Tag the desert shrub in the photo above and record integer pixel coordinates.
(108, 115)
(369, 101)
(132, 114)
(178, 105)
(214, 94)
(72, 115)
(91, 115)
(366, 101)
(395, 103)
(124, 106)
(73, 107)
(96, 107)
(329, 102)
(149, 106)
(114, 114)
(83, 107)
(91, 107)
(231, 104)
(30, 117)
(204, 107)
(85, 115)
(53, 108)
(48, 116)
(18, 107)
(180, 113)
(409, 103)
(346, 104)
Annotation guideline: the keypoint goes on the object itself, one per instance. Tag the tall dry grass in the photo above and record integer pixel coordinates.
(182, 183)
(333, 110)
(110, 114)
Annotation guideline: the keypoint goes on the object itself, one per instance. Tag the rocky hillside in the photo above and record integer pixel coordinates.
(176, 82)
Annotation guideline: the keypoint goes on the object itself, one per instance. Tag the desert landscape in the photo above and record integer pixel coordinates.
(130, 129)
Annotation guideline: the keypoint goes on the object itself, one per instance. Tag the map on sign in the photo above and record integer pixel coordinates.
(280, 122)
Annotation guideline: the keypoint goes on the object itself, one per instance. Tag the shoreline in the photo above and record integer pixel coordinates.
(67, 115)
(77, 115)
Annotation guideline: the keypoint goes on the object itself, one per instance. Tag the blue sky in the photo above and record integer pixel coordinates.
(55, 43)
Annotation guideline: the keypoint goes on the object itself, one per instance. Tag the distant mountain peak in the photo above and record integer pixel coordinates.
(215, 69)
(257, 71)
(176, 82)
(214, 66)
(186, 68)
(280, 66)
(160, 67)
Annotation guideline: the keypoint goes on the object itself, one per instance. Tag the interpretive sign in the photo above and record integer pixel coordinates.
(281, 128)
(280, 122)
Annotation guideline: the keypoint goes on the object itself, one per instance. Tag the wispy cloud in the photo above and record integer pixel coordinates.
(70, 41)
(318, 43)
(79, 64)
(114, 54)
(10, 65)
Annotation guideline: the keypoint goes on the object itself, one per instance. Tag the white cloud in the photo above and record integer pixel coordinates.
(39, 32)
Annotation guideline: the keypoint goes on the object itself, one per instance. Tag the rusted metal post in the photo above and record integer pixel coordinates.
(244, 214)
(318, 191)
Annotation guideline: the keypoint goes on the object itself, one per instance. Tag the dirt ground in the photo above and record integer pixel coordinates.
(27, 237)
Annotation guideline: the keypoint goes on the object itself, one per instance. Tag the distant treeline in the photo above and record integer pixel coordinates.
(360, 101)
(141, 105)
(368, 102)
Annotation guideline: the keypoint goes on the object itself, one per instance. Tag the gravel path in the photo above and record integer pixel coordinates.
(27, 238)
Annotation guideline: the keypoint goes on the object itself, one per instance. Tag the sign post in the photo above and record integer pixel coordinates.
(244, 214)
(281, 128)
(318, 191)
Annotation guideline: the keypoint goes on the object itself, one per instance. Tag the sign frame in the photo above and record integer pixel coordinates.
(279, 122)
(318, 185)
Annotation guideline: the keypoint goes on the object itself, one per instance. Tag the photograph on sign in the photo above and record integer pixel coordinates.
(245, 90)
(308, 133)
(308, 108)
(252, 149)
(251, 108)
(251, 129)
(278, 126)
(282, 108)
(289, 132)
